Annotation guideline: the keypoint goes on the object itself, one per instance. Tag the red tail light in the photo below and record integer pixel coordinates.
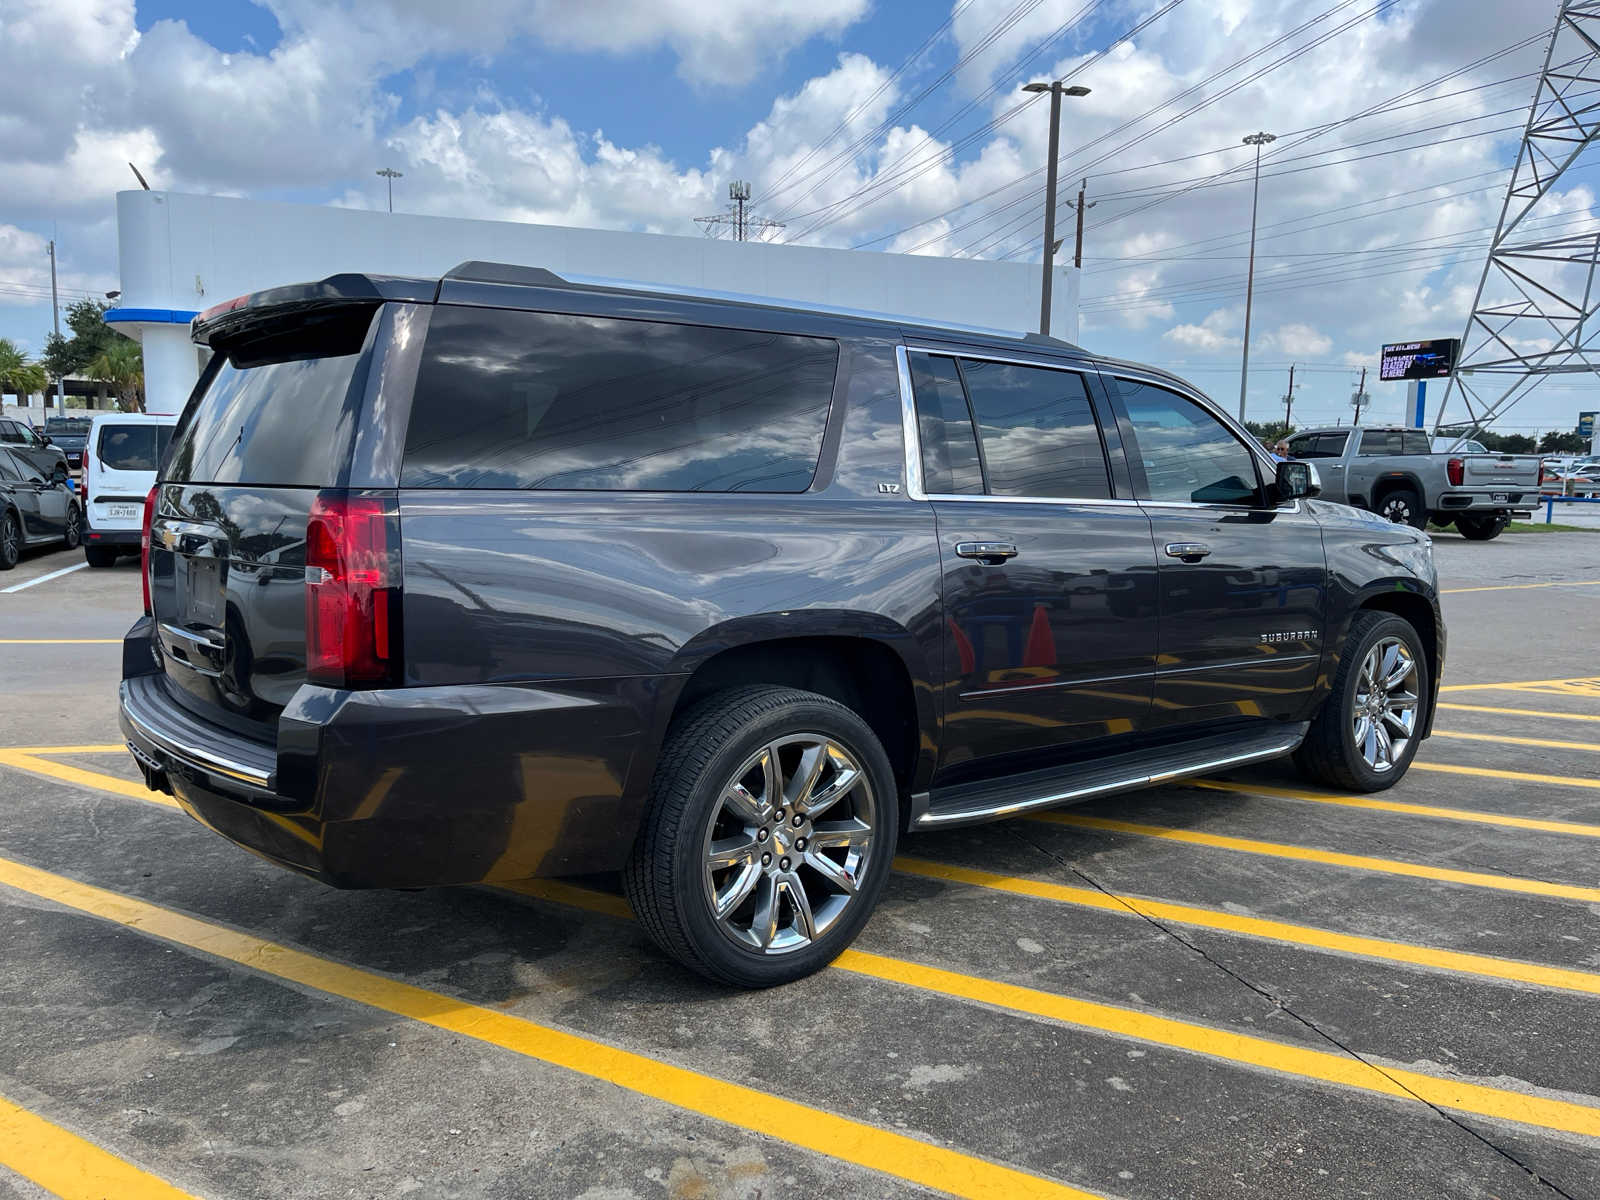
(144, 543)
(1456, 469)
(352, 590)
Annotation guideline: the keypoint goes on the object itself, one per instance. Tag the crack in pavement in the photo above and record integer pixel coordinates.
(1282, 1006)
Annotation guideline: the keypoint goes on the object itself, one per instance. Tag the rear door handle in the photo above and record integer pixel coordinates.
(1189, 552)
(989, 553)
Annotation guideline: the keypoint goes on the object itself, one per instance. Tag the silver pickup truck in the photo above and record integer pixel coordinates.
(1394, 472)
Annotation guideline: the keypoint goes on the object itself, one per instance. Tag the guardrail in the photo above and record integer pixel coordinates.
(1550, 503)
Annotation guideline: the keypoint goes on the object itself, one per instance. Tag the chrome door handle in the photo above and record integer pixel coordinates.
(990, 553)
(1189, 552)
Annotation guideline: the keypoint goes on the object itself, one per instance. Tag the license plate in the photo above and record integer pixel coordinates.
(1499, 497)
(205, 592)
(123, 512)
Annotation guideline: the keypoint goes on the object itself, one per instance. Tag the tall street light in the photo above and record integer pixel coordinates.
(390, 174)
(1257, 140)
(1057, 90)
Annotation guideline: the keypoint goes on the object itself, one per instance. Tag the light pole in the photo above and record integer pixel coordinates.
(390, 174)
(1057, 90)
(1257, 140)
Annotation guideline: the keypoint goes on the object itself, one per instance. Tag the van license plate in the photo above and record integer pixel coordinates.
(123, 512)
(1499, 497)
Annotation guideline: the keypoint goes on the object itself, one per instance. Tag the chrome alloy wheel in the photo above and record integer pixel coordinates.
(1385, 710)
(784, 852)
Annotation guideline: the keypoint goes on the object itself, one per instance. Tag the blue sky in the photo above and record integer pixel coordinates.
(637, 113)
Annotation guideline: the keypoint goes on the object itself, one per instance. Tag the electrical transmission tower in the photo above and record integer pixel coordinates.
(1534, 313)
(744, 223)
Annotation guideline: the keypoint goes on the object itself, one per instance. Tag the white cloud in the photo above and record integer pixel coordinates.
(1219, 331)
(1297, 339)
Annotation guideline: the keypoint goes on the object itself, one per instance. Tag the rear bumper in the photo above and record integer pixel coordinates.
(1521, 503)
(126, 539)
(412, 787)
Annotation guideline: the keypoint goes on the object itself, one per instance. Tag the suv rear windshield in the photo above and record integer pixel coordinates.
(68, 426)
(508, 399)
(132, 447)
(279, 411)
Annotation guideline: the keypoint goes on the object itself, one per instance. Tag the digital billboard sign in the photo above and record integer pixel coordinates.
(1431, 359)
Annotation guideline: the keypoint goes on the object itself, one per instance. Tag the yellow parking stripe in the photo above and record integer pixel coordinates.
(1574, 828)
(1259, 927)
(744, 1107)
(1518, 587)
(97, 780)
(1519, 712)
(1547, 743)
(60, 641)
(1516, 685)
(1576, 781)
(99, 748)
(1387, 866)
(69, 1166)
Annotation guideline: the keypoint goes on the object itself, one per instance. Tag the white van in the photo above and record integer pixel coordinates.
(119, 469)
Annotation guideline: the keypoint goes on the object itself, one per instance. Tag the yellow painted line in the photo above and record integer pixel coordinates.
(69, 1166)
(1514, 685)
(1517, 587)
(1576, 781)
(835, 1136)
(60, 640)
(1549, 743)
(798, 1124)
(105, 748)
(1519, 712)
(97, 780)
(1386, 866)
(1382, 949)
(1575, 828)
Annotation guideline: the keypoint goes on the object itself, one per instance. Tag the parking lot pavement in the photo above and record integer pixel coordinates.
(1238, 987)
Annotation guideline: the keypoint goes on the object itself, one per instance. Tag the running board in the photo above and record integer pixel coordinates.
(990, 800)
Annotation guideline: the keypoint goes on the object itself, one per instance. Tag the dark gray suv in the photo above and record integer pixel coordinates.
(498, 576)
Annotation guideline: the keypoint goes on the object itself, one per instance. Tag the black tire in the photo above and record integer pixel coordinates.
(1440, 521)
(10, 541)
(1403, 506)
(1482, 527)
(74, 535)
(100, 556)
(1329, 754)
(705, 747)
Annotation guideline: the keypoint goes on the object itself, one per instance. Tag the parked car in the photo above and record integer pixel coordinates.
(22, 438)
(1576, 480)
(120, 456)
(1393, 472)
(497, 576)
(69, 433)
(1458, 445)
(35, 509)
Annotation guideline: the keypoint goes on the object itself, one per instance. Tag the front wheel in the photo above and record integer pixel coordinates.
(1404, 507)
(771, 824)
(1365, 735)
(1482, 527)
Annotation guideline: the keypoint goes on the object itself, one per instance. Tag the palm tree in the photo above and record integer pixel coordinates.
(121, 364)
(19, 375)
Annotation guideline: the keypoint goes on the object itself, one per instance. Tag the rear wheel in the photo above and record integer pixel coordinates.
(74, 533)
(10, 541)
(1404, 507)
(772, 821)
(1482, 527)
(100, 556)
(1365, 735)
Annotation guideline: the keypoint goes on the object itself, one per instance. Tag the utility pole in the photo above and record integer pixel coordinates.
(1257, 140)
(1077, 253)
(1288, 401)
(1056, 90)
(390, 174)
(55, 312)
(1361, 393)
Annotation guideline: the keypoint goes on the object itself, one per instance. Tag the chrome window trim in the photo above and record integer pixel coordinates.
(1082, 366)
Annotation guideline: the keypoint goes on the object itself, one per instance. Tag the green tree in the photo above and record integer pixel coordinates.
(18, 374)
(91, 336)
(121, 364)
(1556, 442)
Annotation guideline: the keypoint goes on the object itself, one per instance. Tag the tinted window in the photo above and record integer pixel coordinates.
(1414, 441)
(281, 410)
(1038, 431)
(944, 428)
(1318, 445)
(10, 432)
(10, 471)
(1188, 454)
(132, 447)
(1380, 441)
(69, 426)
(540, 400)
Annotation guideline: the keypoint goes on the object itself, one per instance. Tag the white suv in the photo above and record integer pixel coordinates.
(119, 469)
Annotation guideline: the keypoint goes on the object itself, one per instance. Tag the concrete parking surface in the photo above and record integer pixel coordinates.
(1240, 987)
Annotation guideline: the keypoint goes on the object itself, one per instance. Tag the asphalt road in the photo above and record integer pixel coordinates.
(1248, 989)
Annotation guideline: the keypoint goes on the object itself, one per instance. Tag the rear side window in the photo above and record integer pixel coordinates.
(1414, 441)
(944, 427)
(132, 447)
(546, 401)
(281, 410)
(1376, 442)
(10, 471)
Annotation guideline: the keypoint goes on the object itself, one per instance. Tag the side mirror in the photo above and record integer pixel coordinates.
(1296, 479)
(44, 439)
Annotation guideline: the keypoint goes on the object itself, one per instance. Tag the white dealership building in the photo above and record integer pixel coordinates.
(179, 254)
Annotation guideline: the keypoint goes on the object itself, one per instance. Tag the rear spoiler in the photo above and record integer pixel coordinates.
(237, 317)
